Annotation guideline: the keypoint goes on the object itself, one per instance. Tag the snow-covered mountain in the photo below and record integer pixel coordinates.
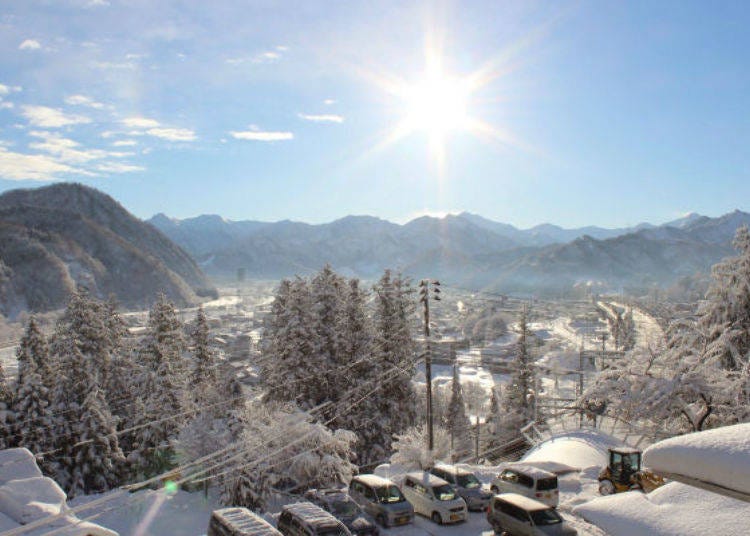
(57, 237)
(466, 249)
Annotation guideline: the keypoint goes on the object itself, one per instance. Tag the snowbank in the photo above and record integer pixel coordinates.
(17, 464)
(673, 509)
(720, 457)
(27, 496)
(572, 450)
(28, 499)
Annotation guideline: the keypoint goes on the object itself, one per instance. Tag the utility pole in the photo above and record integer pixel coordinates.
(424, 297)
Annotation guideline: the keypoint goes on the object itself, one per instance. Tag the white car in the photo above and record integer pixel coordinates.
(529, 481)
(433, 497)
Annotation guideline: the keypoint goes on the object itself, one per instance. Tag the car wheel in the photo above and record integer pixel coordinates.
(606, 487)
(382, 520)
(436, 518)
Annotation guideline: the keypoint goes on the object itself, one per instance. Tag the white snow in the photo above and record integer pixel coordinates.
(672, 510)
(579, 450)
(28, 499)
(17, 464)
(720, 456)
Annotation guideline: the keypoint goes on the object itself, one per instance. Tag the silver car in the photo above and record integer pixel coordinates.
(382, 499)
(466, 484)
(512, 514)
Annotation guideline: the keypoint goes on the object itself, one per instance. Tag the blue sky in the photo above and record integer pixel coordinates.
(612, 112)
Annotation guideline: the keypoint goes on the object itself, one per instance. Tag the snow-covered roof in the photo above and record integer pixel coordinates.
(718, 459)
(426, 479)
(244, 519)
(674, 508)
(524, 502)
(373, 480)
(29, 499)
(579, 449)
(530, 470)
(16, 464)
(626, 450)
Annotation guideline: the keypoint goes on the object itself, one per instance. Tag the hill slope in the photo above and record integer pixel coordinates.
(57, 237)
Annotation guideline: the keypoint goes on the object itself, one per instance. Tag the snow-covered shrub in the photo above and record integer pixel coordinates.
(410, 448)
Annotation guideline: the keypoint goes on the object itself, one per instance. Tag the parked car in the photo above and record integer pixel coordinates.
(511, 514)
(338, 503)
(433, 497)
(529, 481)
(382, 499)
(466, 484)
(307, 519)
(239, 522)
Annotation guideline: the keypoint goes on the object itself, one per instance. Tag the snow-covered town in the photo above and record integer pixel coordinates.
(393, 268)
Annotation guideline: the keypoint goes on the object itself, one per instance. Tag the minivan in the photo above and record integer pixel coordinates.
(239, 522)
(338, 503)
(530, 481)
(466, 484)
(382, 499)
(518, 515)
(307, 519)
(433, 497)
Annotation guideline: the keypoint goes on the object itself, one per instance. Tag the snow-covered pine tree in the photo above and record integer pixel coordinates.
(7, 438)
(32, 412)
(84, 325)
(163, 391)
(204, 384)
(457, 423)
(98, 461)
(518, 394)
(393, 350)
(33, 353)
(354, 350)
(325, 297)
(291, 367)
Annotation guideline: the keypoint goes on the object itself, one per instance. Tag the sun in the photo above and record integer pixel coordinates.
(437, 104)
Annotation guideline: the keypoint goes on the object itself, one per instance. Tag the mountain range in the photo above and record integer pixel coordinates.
(465, 249)
(59, 237)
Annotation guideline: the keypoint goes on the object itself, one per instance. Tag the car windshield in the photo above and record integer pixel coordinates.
(444, 492)
(345, 508)
(390, 494)
(545, 517)
(630, 462)
(468, 481)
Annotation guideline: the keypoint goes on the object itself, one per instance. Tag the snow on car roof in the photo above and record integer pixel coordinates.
(530, 470)
(718, 457)
(626, 450)
(453, 469)
(373, 480)
(522, 501)
(311, 513)
(243, 519)
(427, 479)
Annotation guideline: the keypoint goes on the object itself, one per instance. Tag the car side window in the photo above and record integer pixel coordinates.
(525, 480)
(509, 476)
(369, 494)
(518, 513)
(408, 483)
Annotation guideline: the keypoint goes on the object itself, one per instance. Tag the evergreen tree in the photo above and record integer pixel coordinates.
(98, 460)
(457, 423)
(33, 354)
(7, 439)
(34, 420)
(393, 350)
(205, 374)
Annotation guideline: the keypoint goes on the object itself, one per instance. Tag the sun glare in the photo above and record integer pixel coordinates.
(437, 105)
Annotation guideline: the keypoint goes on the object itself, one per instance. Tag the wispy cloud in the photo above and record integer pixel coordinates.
(46, 117)
(69, 151)
(255, 134)
(140, 122)
(329, 102)
(322, 118)
(33, 167)
(118, 167)
(265, 56)
(145, 126)
(82, 100)
(30, 44)
(124, 143)
(7, 90)
(172, 134)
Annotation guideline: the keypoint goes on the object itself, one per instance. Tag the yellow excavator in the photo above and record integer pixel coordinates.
(624, 473)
